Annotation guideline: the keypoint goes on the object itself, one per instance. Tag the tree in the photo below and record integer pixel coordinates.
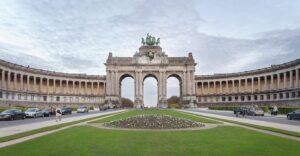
(125, 102)
(173, 102)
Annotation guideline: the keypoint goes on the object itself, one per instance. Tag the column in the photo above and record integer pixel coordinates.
(266, 80)
(252, 85)
(28, 83)
(92, 88)
(15, 81)
(41, 84)
(98, 88)
(21, 80)
(208, 87)
(284, 80)
(85, 89)
(60, 86)
(79, 89)
(34, 84)
(240, 86)
(73, 86)
(3, 78)
(297, 78)
(202, 88)
(54, 85)
(112, 82)
(66, 91)
(221, 89)
(259, 87)
(47, 79)
(246, 85)
(233, 87)
(227, 88)
(184, 84)
(278, 81)
(291, 79)
(215, 91)
(8, 81)
(272, 82)
(188, 83)
(192, 83)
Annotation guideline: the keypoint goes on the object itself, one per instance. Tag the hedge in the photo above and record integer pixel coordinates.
(281, 110)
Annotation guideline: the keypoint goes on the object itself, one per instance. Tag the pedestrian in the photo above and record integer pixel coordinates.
(58, 114)
(275, 110)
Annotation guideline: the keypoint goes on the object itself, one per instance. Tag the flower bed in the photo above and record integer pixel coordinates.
(153, 122)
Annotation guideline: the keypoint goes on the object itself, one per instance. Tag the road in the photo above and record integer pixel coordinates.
(42, 119)
(273, 119)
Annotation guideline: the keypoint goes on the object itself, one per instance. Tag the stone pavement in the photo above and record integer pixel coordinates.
(6, 131)
(287, 127)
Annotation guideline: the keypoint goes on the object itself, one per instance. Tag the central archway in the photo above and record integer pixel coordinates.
(174, 90)
(127, 90)
(150, 91)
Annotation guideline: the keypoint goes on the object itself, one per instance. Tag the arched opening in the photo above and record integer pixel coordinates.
(174, 91)
(127, 91)
(150, 91)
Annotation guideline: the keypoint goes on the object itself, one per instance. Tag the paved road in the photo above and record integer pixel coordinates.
(274, 119)
(42, 119)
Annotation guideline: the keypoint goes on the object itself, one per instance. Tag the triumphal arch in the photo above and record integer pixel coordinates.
(150, 61)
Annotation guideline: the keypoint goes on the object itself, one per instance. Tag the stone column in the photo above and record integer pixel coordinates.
(188, 83)
(66, 91)
(252, 85)
(79, 89)
(92, 88)
(272, 82)
(246, 85)
(184, 84)
(112, 80)
(202, 88)
(73, 86)
(208, 87)
(28, 83)
(85, 89)
(258, 81)
(266, 81)
(192, 83)
(21, 81)
(15, 81)
(3, 78)
(221, 89)
(278, 81)
(284, 80)
(215, 91)
(227, 88)
(233, 87)
(41, 84)
(47, 79)
(240, 86)
(291, 79)
(34, 84)
(8, 80)
(60, 86)
(297, 78)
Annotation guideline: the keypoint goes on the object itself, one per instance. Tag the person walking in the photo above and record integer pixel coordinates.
(58, 114)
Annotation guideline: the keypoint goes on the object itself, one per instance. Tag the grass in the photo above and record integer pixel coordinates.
(291, 133)
(44, 129)
(156, 111)
(223, 140)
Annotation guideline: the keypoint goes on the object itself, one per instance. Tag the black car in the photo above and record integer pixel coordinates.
(294, 115)
(239, 109)
(66, 110)
(12, 114)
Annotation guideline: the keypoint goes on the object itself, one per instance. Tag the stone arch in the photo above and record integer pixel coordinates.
(179, 77)
(121, 78)
(154, 75)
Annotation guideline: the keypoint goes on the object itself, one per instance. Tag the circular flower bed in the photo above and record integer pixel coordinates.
(153, 122)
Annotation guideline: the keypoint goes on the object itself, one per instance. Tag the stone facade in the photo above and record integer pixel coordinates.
(278, 84)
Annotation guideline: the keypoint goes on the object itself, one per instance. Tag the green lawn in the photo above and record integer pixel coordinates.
(223, 140)
(157, 111)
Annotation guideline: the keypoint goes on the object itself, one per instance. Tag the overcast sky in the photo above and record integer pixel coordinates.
(75, 36)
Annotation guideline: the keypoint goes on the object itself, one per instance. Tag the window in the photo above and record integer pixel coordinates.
(7, 95)
(287, 95)
(57, 98)
(0, 95)
(274, 96)
(19, 96)
(45, 98)
(293, 94)
(281, 96)
(261, 97)
(268, 97)
(255, 97)
(249, 98)
(25, 97)
(243, 98)
(236, 98)
(32, 97)
(229, 98)
(223, 98)
(12, 95)
(51, 98)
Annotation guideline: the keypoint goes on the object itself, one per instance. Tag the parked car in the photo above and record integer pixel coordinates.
(12, 114)
(34, 112)
(66, 110)
(240, 109)
(48, 111)
(103, 107)
(83, 109)
(294, 115)
(256, 111)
